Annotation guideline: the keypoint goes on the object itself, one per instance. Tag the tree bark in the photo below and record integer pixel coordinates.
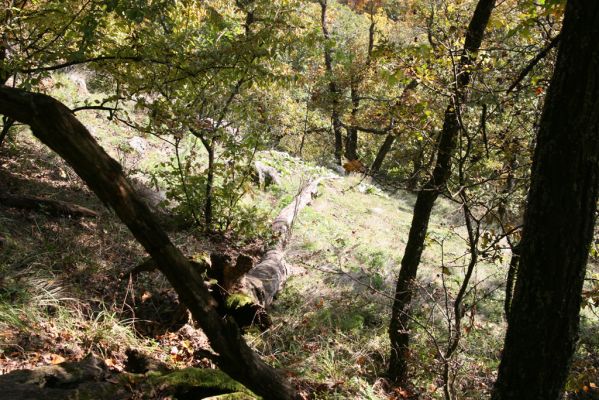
(333, 88)
(209, 146)
(382, 153)
(55, 125)
(399, 333)
(559, 219)
(351, 142)
(247, 296)
(7, 123)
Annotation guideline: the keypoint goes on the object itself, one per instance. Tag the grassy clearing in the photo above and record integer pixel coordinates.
(331, 321)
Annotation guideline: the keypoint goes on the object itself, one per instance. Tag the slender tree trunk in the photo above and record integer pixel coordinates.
(333, 88)
(559, 220)
(391, 137)
(382, 153)
(351, 143)
(399, 333)
(209, 144)
(56, 126)
(7, 123)
(414, 178)
(209, 188)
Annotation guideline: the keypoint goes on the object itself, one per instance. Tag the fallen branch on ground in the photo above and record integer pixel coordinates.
(53, 207)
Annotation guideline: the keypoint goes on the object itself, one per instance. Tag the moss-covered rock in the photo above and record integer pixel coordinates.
(198, 383)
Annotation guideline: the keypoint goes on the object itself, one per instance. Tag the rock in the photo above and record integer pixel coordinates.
(265, 175)
(140, 363)
(376, 211)
(80, 81)
(139, 144)
(153, 198)
(69, 380)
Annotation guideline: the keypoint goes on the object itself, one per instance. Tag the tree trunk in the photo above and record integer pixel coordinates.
(414, 178)
(351, 143)
(7, 123)
(390, 138)
(382, 153)
(247, 296)
(57, 127)
(399, 326)
(559, 220)
(333, 89)
(209, 187)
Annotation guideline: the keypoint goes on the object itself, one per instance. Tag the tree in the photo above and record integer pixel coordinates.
(333, 86)
(56, 126)
(559, 219)
(399, 326)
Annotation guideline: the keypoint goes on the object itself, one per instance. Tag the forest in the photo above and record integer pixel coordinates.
(299, 199)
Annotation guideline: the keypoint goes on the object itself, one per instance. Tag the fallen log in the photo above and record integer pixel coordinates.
(284, 221)
(53, 207)
(248, 299)
(69, 380)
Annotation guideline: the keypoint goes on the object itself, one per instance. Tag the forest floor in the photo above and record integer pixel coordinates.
(65, 290)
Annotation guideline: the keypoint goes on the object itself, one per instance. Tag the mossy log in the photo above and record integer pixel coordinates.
(85, 379)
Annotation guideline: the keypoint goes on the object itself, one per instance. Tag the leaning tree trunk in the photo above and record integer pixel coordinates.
(399, 333)
(382, 153)
(57, 127)
(391, 137)
(559, 219)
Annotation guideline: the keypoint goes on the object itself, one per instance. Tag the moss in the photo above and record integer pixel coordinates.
(199, 378)
(351, 322)
(238, 300)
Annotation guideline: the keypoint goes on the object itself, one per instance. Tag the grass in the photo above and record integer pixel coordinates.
(331, 321)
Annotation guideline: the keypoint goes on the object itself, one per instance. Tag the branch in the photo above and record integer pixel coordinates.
(374, 131)
(542, 54)
(79, 62)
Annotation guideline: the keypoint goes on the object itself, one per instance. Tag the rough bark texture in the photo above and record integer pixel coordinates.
(351, 142)
(559, 220)
(70, 380)
(91, 379)
(55, 125)
(52, 207)
(399, 326)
